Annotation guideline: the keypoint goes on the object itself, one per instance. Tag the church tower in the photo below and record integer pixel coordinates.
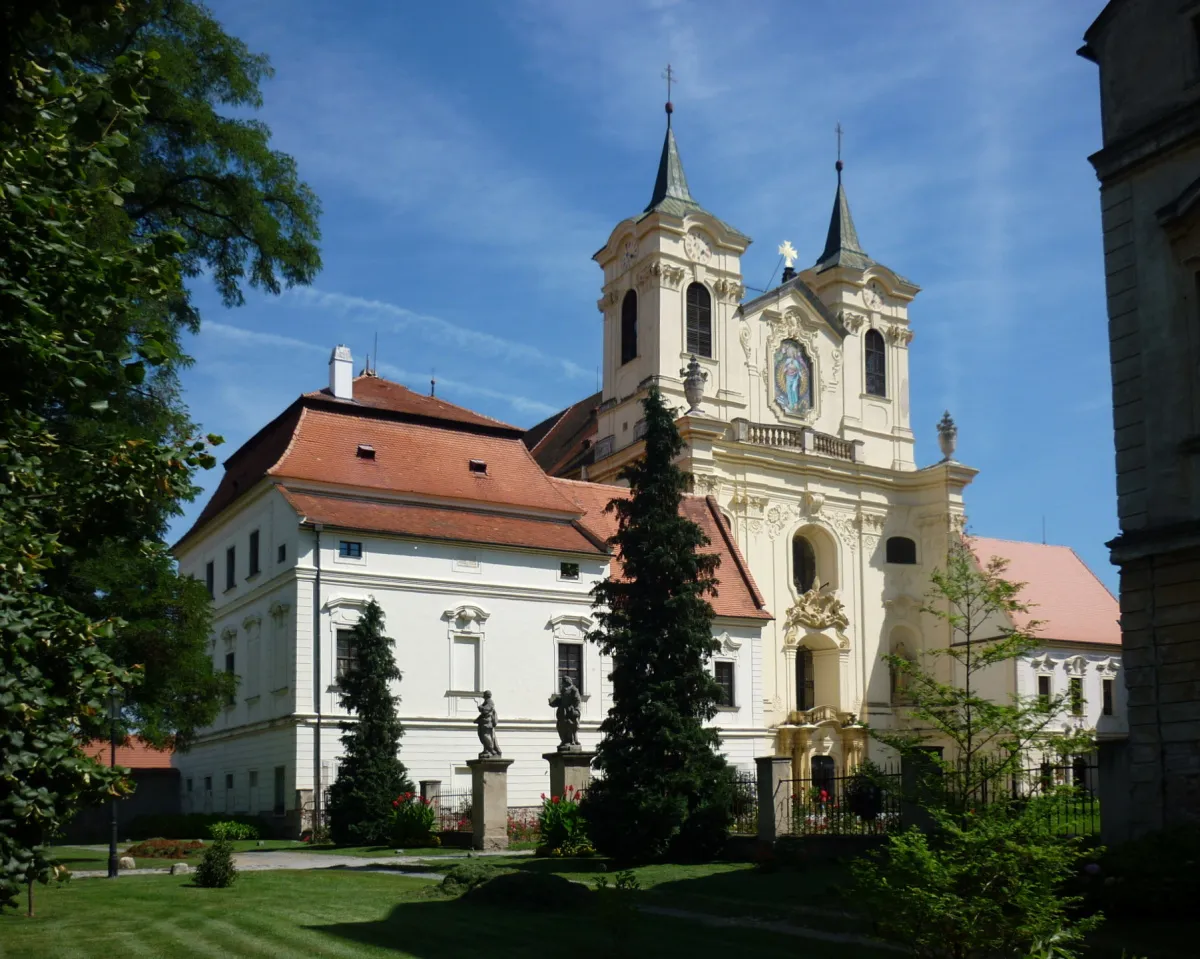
(672, 285)
(871, 304)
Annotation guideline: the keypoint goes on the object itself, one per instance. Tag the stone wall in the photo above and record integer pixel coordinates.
(1160, 621)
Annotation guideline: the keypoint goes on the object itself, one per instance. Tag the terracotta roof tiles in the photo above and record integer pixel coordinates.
(135, 754)
(1062, 592)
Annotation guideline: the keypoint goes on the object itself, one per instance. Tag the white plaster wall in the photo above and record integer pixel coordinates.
(258, 749)
(1093, 665)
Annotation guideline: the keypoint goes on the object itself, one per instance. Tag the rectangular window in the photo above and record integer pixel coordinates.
(253, 553)
(208, 784)
(1107, 692)
(230, 667)
(230, 567)
(229, 780)
(189, 786)
(466, 665)
(281, 553)
(253, 779)
(349, 550)
(570, 664)
(1076, 696)
(347, 655)
(210, 578)
(568, 571)
(1044, 690)
(279, 807)
(724, 675)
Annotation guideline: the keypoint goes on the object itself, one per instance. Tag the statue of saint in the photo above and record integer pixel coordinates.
(568, 703)
(486, 721)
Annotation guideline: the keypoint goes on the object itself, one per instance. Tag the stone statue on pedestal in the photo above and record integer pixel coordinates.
(486, 721)
(568, 703)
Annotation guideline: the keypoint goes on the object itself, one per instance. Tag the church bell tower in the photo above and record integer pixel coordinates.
(672, 286)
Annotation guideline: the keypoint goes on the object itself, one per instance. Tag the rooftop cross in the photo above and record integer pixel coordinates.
(838, 130)
(669, 75)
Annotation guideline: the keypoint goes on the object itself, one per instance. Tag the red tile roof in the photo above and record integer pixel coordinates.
(136, 754)
(737, 594)
(380, 394)
(443, 523)
(562, 443)
(422, 446)
(1073, 605)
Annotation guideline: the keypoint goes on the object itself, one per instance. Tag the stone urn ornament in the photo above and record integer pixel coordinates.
(947, 436)
(694, 377)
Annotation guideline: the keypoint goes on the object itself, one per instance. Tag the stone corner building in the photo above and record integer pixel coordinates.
(1148, 52)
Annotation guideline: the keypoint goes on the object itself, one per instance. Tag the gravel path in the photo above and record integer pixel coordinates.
(283, 859)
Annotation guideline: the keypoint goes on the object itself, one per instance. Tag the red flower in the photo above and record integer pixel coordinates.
(554, 799)
(395, 803)
(824, 796)
(543, 795)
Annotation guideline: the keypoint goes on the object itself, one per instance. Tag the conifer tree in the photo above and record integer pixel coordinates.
(664, 788)
(370, 774)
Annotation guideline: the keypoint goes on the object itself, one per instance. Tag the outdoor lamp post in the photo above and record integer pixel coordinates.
(114, 714)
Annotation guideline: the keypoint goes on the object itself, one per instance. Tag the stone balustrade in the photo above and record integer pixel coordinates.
(795, 438)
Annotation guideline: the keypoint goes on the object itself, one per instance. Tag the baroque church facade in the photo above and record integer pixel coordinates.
(798, 424)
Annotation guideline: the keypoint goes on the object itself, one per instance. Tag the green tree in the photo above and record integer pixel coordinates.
(985, 879)
(664, 791)
(77, 326)
(370, 775)
(195, 165)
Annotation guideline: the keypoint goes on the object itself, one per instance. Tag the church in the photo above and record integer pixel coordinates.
(482, 541)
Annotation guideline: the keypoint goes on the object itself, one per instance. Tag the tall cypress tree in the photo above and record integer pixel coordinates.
(370, 774)
(664, 791)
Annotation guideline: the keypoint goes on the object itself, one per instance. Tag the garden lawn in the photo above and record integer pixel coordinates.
(346, 914)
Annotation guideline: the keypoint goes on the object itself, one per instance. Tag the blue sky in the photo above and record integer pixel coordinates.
(470, 158)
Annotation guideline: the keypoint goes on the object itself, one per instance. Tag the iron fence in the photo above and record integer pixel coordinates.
(744, 804)
(453, 810)
(1065, 794)
(854, 805)
(523, 823)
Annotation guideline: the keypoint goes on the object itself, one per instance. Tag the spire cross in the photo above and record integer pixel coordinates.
(838, 130)
(669, 75)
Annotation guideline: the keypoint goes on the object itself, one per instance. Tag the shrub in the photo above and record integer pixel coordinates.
(561, 826)
(216, 869)
(413, 821)
(232, 829)
(530, 891)
(184, 826)
(164, 848)
(321, 836)
(468, 875)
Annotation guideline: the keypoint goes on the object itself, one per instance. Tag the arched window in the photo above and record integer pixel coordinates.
(699, 320)
(805, 686)
(901, 549)
(629, 331)
(804, 564)
(876, 364)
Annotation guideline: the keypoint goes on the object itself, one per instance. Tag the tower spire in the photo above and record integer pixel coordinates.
(842, 247)
(671, 184)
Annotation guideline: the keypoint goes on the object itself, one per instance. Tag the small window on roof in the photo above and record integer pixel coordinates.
(366, 452)
(478, 466)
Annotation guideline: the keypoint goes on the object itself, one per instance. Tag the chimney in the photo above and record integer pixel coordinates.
(341, 373)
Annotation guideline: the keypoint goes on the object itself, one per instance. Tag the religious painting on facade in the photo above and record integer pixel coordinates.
(793, 379)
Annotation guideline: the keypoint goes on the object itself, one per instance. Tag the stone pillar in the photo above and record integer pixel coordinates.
(569, 767)
(431, 790)
(802, 750)
(854, 747)
(489, 803)
(774, 796)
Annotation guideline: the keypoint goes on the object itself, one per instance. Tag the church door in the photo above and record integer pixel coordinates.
(822, 773)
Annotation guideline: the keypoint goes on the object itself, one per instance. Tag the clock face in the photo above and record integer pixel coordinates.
(628, 254)
(697, 248)
(873, 295)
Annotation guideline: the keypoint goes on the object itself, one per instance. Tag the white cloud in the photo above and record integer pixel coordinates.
(435, 330)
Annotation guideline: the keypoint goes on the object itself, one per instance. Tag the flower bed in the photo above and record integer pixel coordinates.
(561, 827)
(164, 848)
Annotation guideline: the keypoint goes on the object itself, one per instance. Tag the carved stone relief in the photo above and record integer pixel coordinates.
(853, 322)
(660, 273)
(744, 337)
(729, 289)
(899, 335)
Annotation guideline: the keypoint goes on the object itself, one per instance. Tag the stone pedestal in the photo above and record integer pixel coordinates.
(489, 803)
(569, 767)
(774, 796)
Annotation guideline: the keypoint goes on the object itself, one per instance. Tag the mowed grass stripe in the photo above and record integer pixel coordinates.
(300, 940)
(187, 939)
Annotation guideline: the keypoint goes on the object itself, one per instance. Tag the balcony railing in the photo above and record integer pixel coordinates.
(794, 438)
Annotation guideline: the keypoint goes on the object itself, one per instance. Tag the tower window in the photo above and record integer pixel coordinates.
(723, 672)
(230, 568)
(1075, 696)
(901, 549)
(805, 685)
(1107, 691)
(699, 320)
(876, 364)
(629, 327)
(804, 564)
